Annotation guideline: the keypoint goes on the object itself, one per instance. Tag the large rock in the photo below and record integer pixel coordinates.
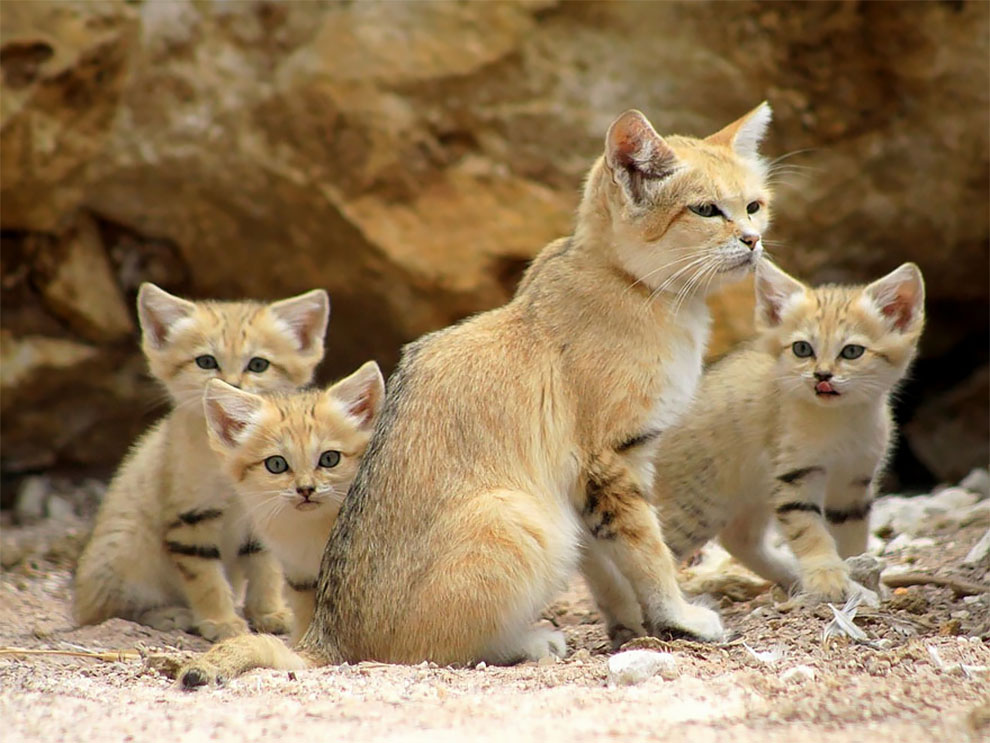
(412, 157)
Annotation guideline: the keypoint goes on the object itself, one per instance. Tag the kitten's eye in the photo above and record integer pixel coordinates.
(852, 351)
(752, 207)
(257, 365)
(330, 458)
(207, 362)
(276, 465)
(706, 210)
(802, 349)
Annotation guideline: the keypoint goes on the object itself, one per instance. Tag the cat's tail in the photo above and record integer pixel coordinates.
(240, 654)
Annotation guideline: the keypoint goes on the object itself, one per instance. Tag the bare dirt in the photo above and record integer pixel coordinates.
(924, 679)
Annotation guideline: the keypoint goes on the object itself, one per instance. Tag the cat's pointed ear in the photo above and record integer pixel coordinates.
(306, 315)
(361, 394)
(230, 412)
(158, 311)
(775, 289)
(745, 134)
(900, 296)
(634, 152)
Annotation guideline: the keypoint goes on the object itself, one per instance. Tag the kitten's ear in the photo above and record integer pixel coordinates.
(306, 315)
(229, 412)
(745, 134)
(158, 311)
(634, 152)
(900, 296)
(775, 289)
(361, 394)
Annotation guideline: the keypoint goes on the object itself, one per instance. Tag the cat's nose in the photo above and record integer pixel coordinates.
(750, 240)
(823, 376)
(305, 490)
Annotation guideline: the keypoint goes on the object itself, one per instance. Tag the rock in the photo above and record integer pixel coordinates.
(798, 675)
(635, 666)
(977, 481)
(908, 516)
(980, 552)
(865, 570)
(32, 496)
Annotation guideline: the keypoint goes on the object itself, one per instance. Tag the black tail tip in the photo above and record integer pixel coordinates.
(193, 679)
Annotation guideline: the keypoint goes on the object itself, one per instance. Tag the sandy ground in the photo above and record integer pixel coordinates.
(924, 680)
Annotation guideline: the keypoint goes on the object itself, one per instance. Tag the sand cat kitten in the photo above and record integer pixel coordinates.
(511, 443)
(795, 428)
(170, 527)
(292, 458)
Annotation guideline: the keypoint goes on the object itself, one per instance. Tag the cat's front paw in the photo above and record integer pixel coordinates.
(543, 641)
(828, 583)
(688, 620)
(276, 622)
(620, 634)
(215, 630)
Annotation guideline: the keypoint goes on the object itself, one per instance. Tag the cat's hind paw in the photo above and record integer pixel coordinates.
(216, 630)
(277, 622)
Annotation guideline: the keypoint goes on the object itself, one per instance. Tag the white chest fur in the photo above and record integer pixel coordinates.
(680, 372)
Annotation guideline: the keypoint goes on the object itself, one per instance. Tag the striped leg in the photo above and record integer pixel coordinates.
(799, 495)
(193, 541)
(301, 595)
(264, 605)
(847, 511)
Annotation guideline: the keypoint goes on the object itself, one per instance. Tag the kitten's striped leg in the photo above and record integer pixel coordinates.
(192, 540)
(301, 595)
(264, 605)
(613, 596)
(799, 495)
(847, 511)
(745, 538)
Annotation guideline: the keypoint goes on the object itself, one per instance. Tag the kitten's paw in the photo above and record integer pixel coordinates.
(543, 641)
(277, 622)
(620, 634)
(828, 583)
(216, 630)
(689, 620)
(168, 618)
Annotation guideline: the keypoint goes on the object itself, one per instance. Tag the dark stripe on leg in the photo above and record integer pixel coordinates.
(795, 475)
(193, 550)
(638, 440)
(251, 547)
(302, 585)
(798, 506)
(194, 516)
(842, 515)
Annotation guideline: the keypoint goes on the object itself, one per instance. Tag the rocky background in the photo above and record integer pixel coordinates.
(412, 157)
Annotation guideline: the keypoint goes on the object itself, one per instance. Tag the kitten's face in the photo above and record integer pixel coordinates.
(839, 345)
(250, 345)
(688, 214)
(294, 456)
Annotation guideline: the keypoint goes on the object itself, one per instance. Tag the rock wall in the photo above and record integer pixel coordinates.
(412, 157)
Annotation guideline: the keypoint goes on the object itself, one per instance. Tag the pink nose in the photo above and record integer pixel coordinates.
(750, 240)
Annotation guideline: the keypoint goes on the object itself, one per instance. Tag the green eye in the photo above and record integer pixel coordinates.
(852, 351)
(257, 365)
(802, 349)
(752, 207)
(330, 458)
(276, 465)
(706, 210)
(207, 362)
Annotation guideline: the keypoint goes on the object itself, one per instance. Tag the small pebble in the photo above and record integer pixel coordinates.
(481, 666)
(798, 674)
(635, 666)
(977, 481)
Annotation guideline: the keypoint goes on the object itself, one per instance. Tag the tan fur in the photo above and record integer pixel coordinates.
(758, 445)
(503, 450)
(170, 538)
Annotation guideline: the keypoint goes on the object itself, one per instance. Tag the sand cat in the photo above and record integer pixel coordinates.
(170, 538)
(795, 428)
(291, 458)
(516, 441)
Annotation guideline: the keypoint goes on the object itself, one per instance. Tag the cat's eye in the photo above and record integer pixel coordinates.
(802, 349)
(257, 365)
(330, 458)
(852, 351)
(207, 362)
(276, 465)
(706, 210)
(752, 207)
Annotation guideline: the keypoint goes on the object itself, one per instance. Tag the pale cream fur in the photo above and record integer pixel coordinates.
(171, 542)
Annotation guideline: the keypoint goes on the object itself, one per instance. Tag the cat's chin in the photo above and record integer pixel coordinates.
(307, 505)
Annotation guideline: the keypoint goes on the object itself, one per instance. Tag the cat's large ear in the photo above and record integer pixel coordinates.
(775, 289)
(745, 134)
(229, 412)
(900, 296)
(361, 394)
(158, 311)
(635, 153)
(306, 315)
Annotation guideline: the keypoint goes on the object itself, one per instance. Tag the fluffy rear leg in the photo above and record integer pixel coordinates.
(613, 596)
(531, 643)
(235, 656)
(168, 618)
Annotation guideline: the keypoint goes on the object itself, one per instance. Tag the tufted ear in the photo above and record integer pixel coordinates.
(745, 134)
(900, 296)
(775, 289)
(361, 394)
(158, 311)
(306, 315)
(635, 153)
(230, 412)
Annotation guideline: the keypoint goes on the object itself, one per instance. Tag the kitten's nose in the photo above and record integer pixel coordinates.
(305, 490)
(750, 240)
(823, 376)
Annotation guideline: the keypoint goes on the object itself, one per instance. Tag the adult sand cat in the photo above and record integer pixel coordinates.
(510, 444)
(170, 531)
(794, 428)
(292, 458)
